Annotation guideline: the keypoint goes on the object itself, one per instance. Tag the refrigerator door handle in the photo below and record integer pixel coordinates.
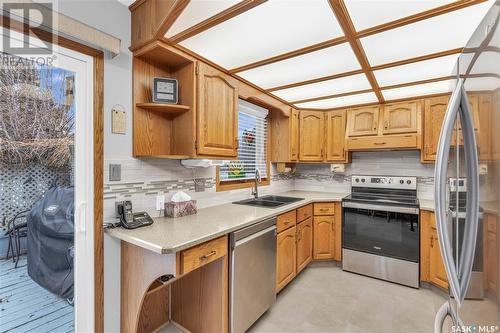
(472, 201)
(446, 310)
(440, 172)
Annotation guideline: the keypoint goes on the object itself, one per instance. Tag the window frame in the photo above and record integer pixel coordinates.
(247, 183)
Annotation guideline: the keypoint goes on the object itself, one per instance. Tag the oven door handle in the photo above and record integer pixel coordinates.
(392, 209)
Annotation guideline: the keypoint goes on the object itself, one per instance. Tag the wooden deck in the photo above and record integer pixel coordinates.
(27, 307)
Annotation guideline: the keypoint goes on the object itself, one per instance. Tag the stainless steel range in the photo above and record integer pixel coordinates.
(380, 229)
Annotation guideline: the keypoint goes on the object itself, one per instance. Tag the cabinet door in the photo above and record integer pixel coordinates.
(434, 111)
(312, 131)
(286, 257)
(294, 135)
(401, 118)
(335, 135)
(437, 272)
(217, 114)
(304, 244)
(323, 233)
(491, 253)
(484, 135)
(362, 121)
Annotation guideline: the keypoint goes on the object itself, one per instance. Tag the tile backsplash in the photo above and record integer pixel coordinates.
(143, 179)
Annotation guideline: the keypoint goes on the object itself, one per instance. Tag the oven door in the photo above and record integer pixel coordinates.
(389, 231)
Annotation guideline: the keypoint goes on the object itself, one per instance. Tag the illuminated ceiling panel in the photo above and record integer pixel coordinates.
(418, 90)
(385, 11)
(443, 32)
(417, 71)
(340, 101)
(197, 11)
(324, 88)
(269, 29)
(332, 60)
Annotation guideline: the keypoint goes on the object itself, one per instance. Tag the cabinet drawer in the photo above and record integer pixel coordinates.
(383, 142)
(324, 208)
(285, 221)
(202, 254)
(304, 213)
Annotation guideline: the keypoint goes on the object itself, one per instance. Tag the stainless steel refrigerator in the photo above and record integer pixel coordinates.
(467, 186)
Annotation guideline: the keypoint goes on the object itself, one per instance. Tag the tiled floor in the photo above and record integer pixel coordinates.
(323, 298)
(27, 307)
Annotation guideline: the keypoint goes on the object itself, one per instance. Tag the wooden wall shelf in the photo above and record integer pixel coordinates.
(163, 107)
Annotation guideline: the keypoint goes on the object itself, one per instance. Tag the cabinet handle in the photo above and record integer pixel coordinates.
(432, 241)
(323, 209)
(286, 222)
(237, 143)
(209, 254)
(379, 143)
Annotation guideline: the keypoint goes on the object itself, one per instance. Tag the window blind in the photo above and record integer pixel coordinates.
(252, 149)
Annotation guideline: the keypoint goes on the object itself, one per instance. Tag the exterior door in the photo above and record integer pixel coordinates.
(286, 257)
(52, 99)
(362, 121)
(323, 243)
(304, 244)
(217, 114)
(312, 135)
(400, 118)
(434, 111)
(335, 135)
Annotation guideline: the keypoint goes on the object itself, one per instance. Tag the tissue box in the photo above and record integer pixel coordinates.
(178, 209)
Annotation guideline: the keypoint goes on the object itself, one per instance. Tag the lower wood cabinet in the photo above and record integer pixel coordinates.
(431, 263)
(490, 253)
(304, 244)
(327, 231)
(286, 257)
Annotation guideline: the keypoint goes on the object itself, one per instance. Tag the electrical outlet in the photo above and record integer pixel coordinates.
(160, 202)
(115, 172)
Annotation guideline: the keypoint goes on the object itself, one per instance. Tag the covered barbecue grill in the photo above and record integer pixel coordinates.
(51, 241)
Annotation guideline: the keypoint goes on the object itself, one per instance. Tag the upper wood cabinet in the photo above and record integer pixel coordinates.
(217, 130)
(335, 135)
(284, 136)
(484, 135)
(434, 111)
(401, 118)
(363, 121)
(312, 136)
(304, 244)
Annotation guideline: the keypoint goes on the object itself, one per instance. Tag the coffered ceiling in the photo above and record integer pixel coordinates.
(324, 54)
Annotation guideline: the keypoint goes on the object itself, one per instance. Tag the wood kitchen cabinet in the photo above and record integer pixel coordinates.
(285, 136)
(434, 111)
(431, 263)
(401, 118)
(217, 130)
(484, 135)
(363, 121)
(327, 231)
(490, 253)
(312, 136)
(286, 257)
(335, 136)
(304, 244)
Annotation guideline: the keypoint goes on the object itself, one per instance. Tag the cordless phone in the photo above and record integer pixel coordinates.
(129, 219)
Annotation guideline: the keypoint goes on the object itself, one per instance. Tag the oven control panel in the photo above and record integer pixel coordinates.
(408, 183)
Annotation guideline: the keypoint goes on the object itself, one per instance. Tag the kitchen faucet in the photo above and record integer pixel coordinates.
(258, 179)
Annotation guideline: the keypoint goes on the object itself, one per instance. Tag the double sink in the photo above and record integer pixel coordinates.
(268, 201)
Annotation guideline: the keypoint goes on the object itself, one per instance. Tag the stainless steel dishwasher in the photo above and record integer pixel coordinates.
(253, 273)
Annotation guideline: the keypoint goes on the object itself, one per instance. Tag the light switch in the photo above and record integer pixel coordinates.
(115, 172)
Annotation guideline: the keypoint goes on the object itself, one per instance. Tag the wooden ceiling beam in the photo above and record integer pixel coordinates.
(291, 54)
(223, 16)
(175, 11)
(340, 11)
(414, 83)
(450, 7)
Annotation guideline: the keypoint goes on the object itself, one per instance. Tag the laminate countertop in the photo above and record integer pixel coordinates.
(170, 235)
